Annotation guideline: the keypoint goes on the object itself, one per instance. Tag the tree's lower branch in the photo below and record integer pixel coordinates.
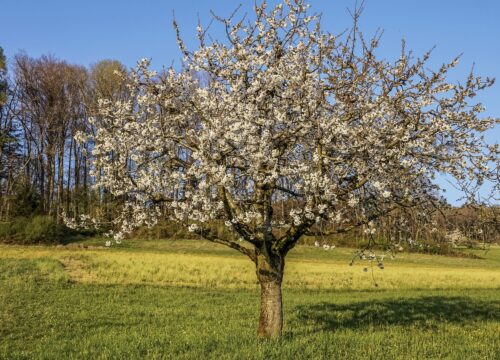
(351, 226)
(288, 241)
(208, 235)
(288, 191)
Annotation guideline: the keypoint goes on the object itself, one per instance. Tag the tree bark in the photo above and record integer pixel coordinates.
(270, 275)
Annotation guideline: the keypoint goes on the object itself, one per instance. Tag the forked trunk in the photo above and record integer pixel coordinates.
(270, 274)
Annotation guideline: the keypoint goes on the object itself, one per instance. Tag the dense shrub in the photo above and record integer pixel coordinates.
(25, 202)
(38, 229)
(13, 231)
(45, 229)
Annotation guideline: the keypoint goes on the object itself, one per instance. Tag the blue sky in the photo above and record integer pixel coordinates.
(85, 32)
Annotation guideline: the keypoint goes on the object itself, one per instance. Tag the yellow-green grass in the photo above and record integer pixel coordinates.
(213, 266)
(196, 300)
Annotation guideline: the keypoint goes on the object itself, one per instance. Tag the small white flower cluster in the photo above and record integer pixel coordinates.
(325, 246)
(82, 222)
(370, 228)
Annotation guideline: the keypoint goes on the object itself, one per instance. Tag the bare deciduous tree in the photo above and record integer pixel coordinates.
(50, 102)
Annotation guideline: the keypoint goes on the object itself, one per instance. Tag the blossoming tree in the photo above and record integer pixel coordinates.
(285, 112)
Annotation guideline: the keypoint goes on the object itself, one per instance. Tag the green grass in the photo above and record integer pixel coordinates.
(192, 300)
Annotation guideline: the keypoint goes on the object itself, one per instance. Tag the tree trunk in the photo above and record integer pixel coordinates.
(270, 274)
(85, 177)
(60, 181)
(68, 185)
(76, 190)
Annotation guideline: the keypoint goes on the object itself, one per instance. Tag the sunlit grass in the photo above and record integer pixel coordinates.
(215, 267)
(195, 300)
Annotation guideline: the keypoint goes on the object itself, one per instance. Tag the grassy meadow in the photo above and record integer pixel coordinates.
(193, 299)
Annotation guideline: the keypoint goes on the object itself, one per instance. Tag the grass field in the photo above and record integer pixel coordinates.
(195, 300)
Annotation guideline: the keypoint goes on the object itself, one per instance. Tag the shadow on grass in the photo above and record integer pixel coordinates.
(422, 311)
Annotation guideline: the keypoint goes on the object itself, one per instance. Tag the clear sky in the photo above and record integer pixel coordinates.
(87, 31)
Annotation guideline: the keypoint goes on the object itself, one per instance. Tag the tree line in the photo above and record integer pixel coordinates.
(44, 103)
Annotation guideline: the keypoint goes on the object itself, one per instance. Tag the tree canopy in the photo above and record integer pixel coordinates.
(284, 110)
